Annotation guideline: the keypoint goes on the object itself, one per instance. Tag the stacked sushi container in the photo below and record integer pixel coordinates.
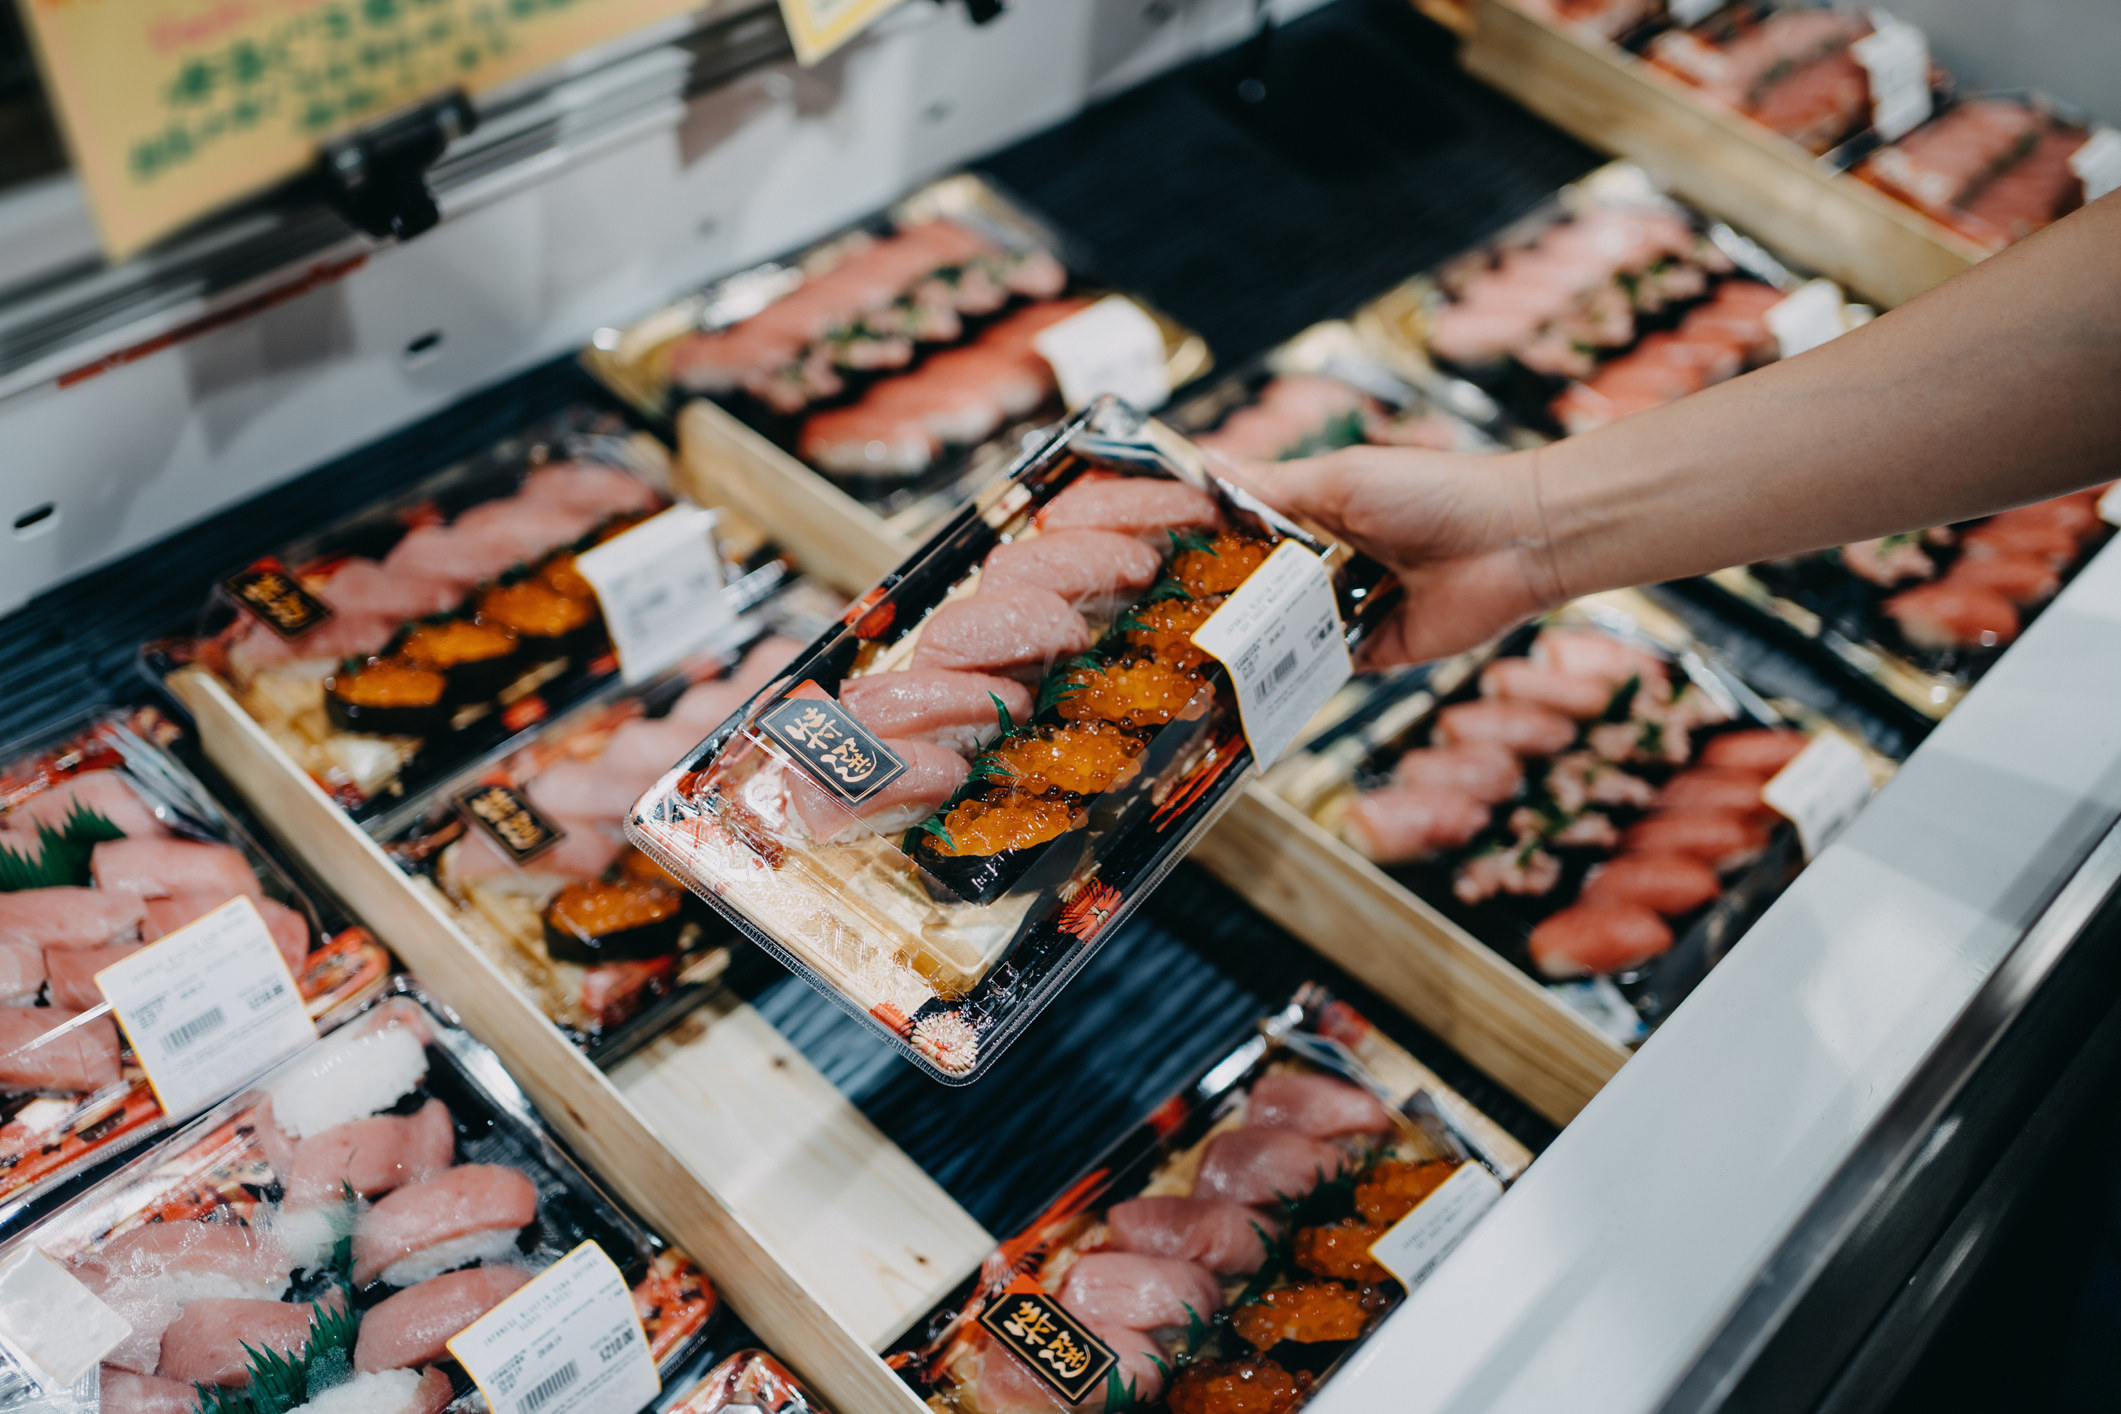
(948, 800)
(340, 1235)
(107, 844)
(902, 361)
(1234, 1249)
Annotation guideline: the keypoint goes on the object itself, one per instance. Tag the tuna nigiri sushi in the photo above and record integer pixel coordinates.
(1485, 770)
(104, 793)
(469, 1213)
(124, 1392)
(1571, 694)
(154, 868)
(1953, 614)
(2022, 579)
(1713, 788)
(52, 1048)
(1016, 632)
(1260, 1165)
(415, 1326)
(1668, 883)
(952, 709)
(70, 917)
(1598, 938)
(1718, 838)
(209, 1342)
(1146, 507)
(374, 1155)
(1524, 727)
(1092, 569)
(1595, 654)
(1400, 823)
(1137, 1292)
(1761, 750)
(932, 775)
(1225, 1237)
(348, 1075)
(1317, 1105)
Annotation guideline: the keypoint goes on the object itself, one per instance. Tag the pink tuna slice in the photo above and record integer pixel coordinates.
(929, 704)
(51, 1048)
(932, 776)
(1220, 1235)
(161, 868)
(375, 1155)
(1145, 506)
(363, 586)
(1524, 727)
(21, 969)
(415, 1326)
(454, 1203)
(1255, 1165)
(1317, 1105)
(131, 1276)
(1137, 1292)
(73, 973)
(1396, 823)
(1015, 632)
(583, 852)
(1485, 770)
(587, 486)
(1082, 566)
(70, 917)
(125, 1392)
(206, 1342)
(106, 793)
(583, 790)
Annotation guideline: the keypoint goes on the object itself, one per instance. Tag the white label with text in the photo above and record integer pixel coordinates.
(55, 1327)
(1896, 55)
(660, 586)
(569, 1340)
(2098, 163)
(1281, 638)
(1824, 788)
(1418, 1242)
(209, 1008)
(1111, 347)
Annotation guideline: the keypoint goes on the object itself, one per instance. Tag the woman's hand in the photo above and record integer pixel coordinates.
(1464, 534)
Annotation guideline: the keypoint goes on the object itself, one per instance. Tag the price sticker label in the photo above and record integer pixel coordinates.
(1813, 314)
(660, 586)
(2098, 163)
(1824, 788)
(54, 1327)
(1417, 1244)
(1280, 636)
(568, 1340)
(1111, 347)
(1896, 55)
(2110, 504)
(209, 1008)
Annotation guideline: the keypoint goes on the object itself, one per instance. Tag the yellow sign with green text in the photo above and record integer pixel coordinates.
(175, 107)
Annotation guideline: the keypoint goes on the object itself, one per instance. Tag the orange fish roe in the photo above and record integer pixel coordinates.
(1253, 1385)
(1167, 629)
(1003, 820)
(1228, 562)
(1135, 692)
(1392, 1190)
(1342, 1251)
(1308, 1311)
(562, 577)
(1082, 758)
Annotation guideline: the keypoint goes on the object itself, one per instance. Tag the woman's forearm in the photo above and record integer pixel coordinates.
(2001, 387)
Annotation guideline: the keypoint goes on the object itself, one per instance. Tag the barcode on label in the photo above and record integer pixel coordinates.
(1282, 669)
(545, 1389)
(204, 1024)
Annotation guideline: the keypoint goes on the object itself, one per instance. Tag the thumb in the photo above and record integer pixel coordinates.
(1296, 488)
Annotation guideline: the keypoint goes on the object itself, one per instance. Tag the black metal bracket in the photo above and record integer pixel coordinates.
(377, 177)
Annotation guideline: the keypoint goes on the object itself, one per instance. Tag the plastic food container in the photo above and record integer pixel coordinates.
(322, 1193)
(750, 1379)
(2022, 175)
(942, 849)
(391, 650)
(1227, 1243)
(74, 1097)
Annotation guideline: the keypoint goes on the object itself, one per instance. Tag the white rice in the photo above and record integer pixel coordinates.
(492, 1245)
(307, 1234)
(345, 1078)
(383, 1392)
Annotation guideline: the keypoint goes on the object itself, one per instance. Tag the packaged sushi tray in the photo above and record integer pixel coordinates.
(1596, 797)
(530, 853)
(750, 1379)
(947, 801)
(1996, 167)
(108, 844)
(900, 360)
(1927, 612)
(1234, 1249)
(327, 1239)
(391, 650)
(1609, 300)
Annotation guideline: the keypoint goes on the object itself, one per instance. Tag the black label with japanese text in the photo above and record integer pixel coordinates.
(1041, 1333)
(278, 600)
(833, 747)
(510, 821)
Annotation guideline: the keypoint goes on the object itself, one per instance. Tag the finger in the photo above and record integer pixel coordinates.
(1309, 487)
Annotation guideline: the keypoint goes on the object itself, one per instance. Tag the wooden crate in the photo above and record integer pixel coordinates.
(1726, 164)
(824, 1236)
(1354, 913)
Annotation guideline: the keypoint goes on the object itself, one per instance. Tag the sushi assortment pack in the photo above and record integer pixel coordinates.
(1596, 798)
(1994, 168)
(389, 651)
(1232, 1250)
(328, 1238)
(901, 360)
(750, 1379)
(1927, 612)
(612, 948)
(948, 800)
(108, 844)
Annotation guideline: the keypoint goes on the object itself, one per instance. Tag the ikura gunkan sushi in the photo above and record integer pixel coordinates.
(1001, 741)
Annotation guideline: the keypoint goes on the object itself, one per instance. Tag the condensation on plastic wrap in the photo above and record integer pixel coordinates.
(941, 850)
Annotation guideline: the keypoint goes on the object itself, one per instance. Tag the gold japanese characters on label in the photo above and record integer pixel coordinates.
(278, 599)
(1039, 1331)
(512, 822)
(836, 750)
